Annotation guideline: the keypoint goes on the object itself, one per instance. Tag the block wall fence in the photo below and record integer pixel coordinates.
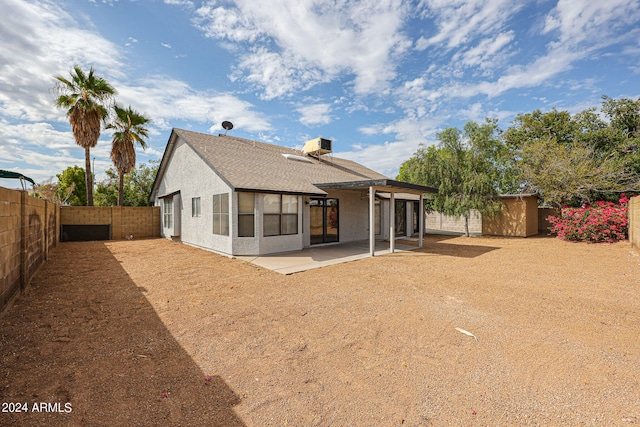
(141, 222)
(634, 223)
(437, 221)
(30, 228)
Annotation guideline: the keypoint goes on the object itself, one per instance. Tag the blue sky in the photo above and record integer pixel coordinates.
(378, 77)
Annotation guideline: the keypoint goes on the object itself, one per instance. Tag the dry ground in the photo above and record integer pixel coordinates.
(128, 331)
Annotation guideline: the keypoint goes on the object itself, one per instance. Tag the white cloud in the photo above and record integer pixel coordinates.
(40, 147)
(165, 99)
(167, 45)
(44, 31)
(408, 134)
(590, 21)
(186, 3)
(300, 43)
(278, 74)
(315, 114)
(487, 53)
(461, 21)
(530, 75)
(583, 27)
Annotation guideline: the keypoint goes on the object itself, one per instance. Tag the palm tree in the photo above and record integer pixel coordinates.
(85, 96)
(129, 126)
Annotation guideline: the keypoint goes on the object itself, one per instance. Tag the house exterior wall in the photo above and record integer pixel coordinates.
(353, 214)
(384, 220)
(260, 244)
(188, 173)
(408, 219)
(518, 218)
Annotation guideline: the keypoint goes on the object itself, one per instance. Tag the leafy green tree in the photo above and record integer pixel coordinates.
(71, 186)
(137, 186)
(467, 169)
(85, 97)
(574, 160)
(624, 115)
(129, 128)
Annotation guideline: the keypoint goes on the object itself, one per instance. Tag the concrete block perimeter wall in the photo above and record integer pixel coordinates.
(29, 228)
(634, 223)
(140, 222)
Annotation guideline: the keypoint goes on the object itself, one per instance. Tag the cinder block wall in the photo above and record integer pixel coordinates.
(28, 230)
(10, 244)
(437, 221)
(140, 221)
(85, 215)
(634, 222)
(124, 220)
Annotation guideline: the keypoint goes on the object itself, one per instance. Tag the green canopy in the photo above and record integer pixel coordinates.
(15, 175)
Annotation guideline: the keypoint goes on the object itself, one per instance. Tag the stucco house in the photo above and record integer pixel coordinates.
(241, 197)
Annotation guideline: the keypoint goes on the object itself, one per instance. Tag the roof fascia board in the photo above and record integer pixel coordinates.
(163, 164)
(168, 151)
(186, 141)
(380, 184)
(320, 193)
(173, 193)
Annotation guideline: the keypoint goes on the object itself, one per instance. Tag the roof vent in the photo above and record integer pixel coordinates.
(317, 146)
(298, 158)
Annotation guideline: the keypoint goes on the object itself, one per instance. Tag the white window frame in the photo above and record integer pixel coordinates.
(220, 214)
(196, 207)
(168, 213)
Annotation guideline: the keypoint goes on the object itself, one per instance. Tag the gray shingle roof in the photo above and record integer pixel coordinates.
(256, 166)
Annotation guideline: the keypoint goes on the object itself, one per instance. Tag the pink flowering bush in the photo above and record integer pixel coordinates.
(604, 222)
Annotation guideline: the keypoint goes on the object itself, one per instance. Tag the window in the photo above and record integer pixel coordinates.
(246, 215)
(195, 206)
(271, 218)
(289, 222)
(280, 214)
(221, 214)
(168, 213)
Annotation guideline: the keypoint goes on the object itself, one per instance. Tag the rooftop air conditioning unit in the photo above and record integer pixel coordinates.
(317, 146)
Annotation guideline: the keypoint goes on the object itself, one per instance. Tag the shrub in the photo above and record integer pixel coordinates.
(604, 222)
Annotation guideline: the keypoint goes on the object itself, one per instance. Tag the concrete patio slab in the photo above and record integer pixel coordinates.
(321, 256)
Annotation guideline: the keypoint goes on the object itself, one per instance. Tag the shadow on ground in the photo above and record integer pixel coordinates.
(92, 340)
(434, 244)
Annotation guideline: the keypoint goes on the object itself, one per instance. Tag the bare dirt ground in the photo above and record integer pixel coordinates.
(154, 333)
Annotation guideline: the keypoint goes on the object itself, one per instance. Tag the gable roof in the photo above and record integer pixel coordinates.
(247, 165)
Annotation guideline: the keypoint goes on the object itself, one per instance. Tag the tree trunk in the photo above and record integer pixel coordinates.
(121, 189)
(88, 176)
(466, 225)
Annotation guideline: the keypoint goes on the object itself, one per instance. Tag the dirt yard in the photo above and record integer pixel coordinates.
(155, 333)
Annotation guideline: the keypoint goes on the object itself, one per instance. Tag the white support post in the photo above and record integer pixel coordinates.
(421, 220)
(372, 221)
(392, 223)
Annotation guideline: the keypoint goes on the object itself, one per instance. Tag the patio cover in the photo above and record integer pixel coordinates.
(390, 187)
